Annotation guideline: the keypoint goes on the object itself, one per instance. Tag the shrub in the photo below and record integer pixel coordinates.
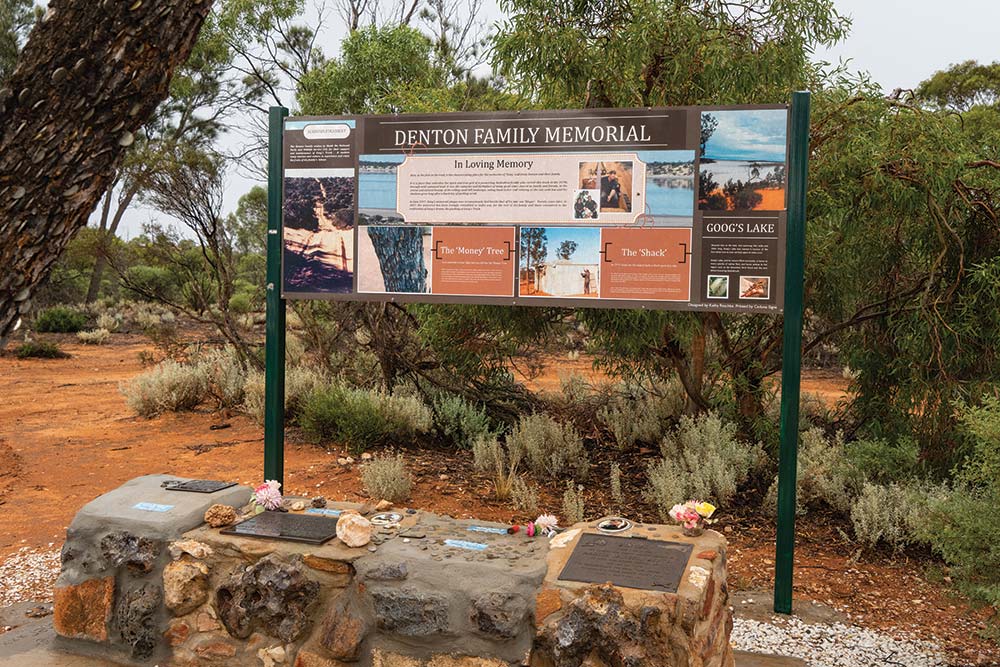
(108, 321)
(887, 514)
(60, 319)
(549, 447)
(460, 421)
(883, 461)
(362, 419)
(574, 509)
(93, 337)
(640, 414)
(524, 496)
(825, 475)
(502, 464)
(168, 387)
(227, 377)
(615, 481)
(386, 478)
(702, 459)
(300, 383)
(39, 350)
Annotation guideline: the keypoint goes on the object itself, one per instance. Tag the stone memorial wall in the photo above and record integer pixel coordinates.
(144, 580)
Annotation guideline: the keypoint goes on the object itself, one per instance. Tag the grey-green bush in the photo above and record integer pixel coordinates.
(885, 513)
(637, 413)
(702, 459)
(459, 421)
(825, 475)
(550, 448)
(386, 478)
(226, 376)
(524, 495)
(168, 387)
(362, 419)
(300, 383)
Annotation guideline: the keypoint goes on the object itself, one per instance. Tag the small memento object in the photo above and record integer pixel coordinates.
(319, 502)
(614, 524)
(298, 506)
(354, 530)
(219, 515)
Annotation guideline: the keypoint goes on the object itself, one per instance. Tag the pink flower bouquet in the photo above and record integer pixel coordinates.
(693, 515)
(267, 496)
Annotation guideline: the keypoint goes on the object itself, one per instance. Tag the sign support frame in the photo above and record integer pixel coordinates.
(791, 363)
(274, 346)
(274, 391)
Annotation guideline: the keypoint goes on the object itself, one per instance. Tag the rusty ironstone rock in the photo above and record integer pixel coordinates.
(185, 585)
(273, 596)
(83, 611)
(343, 631)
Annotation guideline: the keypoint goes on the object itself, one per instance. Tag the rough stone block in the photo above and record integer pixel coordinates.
(343, 631)
(135, 616)
(185, 586)
(83, 611)
(177, 633)
(547, 602)
(309, 658)
(499, 615)
(411, 612)
(327, 564)
(272, 595)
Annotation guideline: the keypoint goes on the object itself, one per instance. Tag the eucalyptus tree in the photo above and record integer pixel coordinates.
(90, 75)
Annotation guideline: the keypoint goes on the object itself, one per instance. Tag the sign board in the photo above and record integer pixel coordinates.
(679, 208)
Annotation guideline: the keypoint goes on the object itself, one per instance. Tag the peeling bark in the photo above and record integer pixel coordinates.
(91, 74)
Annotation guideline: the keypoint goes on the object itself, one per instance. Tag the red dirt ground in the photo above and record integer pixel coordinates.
(66, 437)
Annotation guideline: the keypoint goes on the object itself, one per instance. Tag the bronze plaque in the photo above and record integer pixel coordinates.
(310, 529)
(198, 486)
(628, 562)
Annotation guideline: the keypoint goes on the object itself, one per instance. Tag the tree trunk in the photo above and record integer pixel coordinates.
(104, 244)
(91, 74)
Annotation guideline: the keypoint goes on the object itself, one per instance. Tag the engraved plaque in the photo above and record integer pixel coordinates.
(198, 486)
(310, 529)
(627, 562)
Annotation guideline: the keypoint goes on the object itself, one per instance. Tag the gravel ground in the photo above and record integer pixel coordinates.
(28, 575)
(833, 645)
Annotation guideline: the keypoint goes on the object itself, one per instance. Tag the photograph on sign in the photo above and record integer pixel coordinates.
(394, 259)
(560, 262)
(669, 187)
(318, 206)
(743, 160)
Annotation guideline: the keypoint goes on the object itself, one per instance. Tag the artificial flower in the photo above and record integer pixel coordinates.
(546, 523)
(268, 495)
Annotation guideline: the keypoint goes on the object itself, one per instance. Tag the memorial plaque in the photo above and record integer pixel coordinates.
(310, 529)
(627, 562)
(198, 486)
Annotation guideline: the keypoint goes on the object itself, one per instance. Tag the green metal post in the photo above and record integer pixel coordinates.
(274, 350)
(791, 364)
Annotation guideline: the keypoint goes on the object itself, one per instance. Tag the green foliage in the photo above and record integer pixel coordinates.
(702, 459)
(362, 419)
(888, 514)
(168, 387)
(615, 484)
(460, 421)
(227, 376)
(17, 17)
(150, 281)
(300, 383)
(659, 52)
(39, 350)
(883, 461)
(60, 319)
(502, 463)
(963, 86)
(375, 67)
(550, 448)
(386, 478)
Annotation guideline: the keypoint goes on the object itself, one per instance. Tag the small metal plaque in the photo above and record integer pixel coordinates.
(627, 562)
(198, 486)
(306, 528)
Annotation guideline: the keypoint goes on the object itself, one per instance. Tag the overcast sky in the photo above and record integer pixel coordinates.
(899, 44)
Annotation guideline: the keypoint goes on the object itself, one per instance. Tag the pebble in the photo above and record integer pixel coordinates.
(29, 574)
(833, 645)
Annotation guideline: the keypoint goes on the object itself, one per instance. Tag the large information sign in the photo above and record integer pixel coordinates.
(681, 208)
